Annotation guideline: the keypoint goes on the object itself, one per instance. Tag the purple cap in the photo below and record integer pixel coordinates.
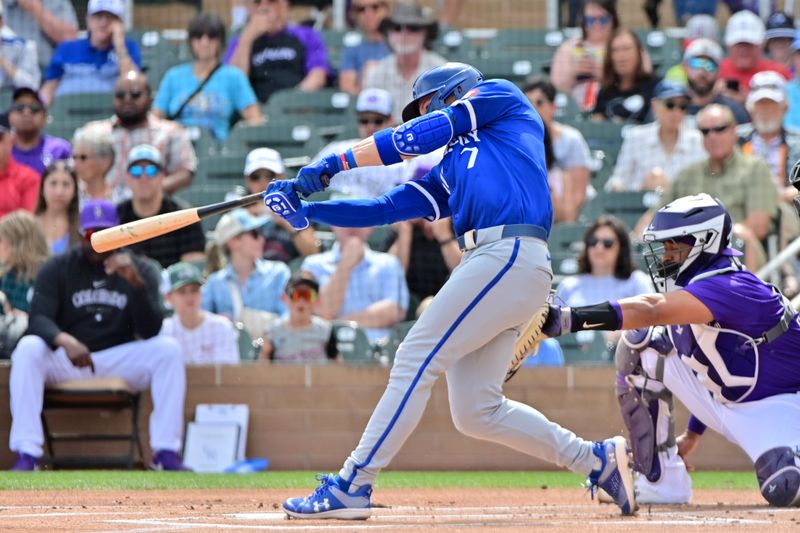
(98, 214)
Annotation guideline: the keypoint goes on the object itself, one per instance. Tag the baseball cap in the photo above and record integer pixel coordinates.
(115, 7)
(98, 214)
(181, 274)
(767, 85)
(144, 152)
(702, 27)
(375, 101)
(780, 25)
(263, 158)
(744, 27)
(667, 89)
(237, 221)
(703, 48)
(19, 91)
(303, 277)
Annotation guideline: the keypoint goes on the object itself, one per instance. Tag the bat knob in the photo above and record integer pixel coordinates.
(279, 203)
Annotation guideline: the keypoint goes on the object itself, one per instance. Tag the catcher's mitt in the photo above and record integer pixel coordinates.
(529, 340)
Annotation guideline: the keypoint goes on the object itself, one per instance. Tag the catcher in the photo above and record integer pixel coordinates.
(720, 339)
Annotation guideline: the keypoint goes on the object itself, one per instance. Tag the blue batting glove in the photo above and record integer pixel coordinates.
(317, 176)
(281, 198)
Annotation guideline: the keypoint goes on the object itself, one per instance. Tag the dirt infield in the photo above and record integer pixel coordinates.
(503, 510)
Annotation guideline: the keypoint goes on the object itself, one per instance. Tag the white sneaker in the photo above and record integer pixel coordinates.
(673, 488)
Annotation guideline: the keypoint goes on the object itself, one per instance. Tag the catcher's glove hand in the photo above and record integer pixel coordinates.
(529, 340)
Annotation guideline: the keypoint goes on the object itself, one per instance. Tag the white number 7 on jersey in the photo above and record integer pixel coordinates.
(473, 154)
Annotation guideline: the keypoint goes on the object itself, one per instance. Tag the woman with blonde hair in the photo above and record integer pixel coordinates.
(23, 248)
(57, 209)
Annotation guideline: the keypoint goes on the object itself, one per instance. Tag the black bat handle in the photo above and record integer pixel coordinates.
(221, 207)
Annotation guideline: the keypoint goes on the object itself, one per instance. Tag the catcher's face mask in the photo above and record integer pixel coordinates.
(794, 179)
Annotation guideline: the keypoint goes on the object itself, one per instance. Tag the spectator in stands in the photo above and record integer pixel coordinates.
(93, 64)
(779, 35)
(374, 108)
(277, 55)
(427, 251)
(369, 15)
(359, 284)
(206, 338)
(19, 184)
(247, 281)
(767, 139)
(698, 27)
(205, 93)
(701, 63)
(27, 117)
(300, 337)
(653, 154)
(626, 87)
(57, 209)
(93, 157)
(47, 23)
(408, 30)
(744, 37)
(88, 312)
(281, 241)
(134, 124)
(792, 119)
(145, 178)
(605, 267)
(22, 251)
(577, 65)
(569, 184)
(19, 66)
(742, 182)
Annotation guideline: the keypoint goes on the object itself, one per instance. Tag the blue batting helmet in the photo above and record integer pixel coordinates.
(450, 78)
(700, 221)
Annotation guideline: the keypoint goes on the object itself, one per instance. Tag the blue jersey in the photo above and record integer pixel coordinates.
(493, 171)
(723, 354)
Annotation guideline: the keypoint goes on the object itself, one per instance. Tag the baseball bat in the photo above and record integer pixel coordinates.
(147, 228)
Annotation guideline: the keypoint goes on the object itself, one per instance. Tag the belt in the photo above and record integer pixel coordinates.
(477, 237)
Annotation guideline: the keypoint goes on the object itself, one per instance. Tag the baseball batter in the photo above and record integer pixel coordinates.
(492, 181)
(730, 352)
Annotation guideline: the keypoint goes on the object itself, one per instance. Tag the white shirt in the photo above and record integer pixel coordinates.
(215, 340)
(642, 151)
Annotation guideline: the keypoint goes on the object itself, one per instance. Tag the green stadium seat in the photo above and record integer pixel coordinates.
(399, 333)
(329, 111)
(352, 343)
(336, 41)
(565, 243)
(248, 349)
(586, 348)
(628, 206)
(225, 168)
(80, 108)
(299, 141)
(606, 136)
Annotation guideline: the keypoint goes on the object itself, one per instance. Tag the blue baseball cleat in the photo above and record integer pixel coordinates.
(614, 475)
(331, 500)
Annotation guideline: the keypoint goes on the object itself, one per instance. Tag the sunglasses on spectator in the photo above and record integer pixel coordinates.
(136, 171)
(296, 294)
(135, 95)
(209, 34)
(715, 129)
(602, 20)
(407, 27)
(259, 175)
(254, 233)
(81, 157)
(369, 7)
(593, 241)
(33, 108)
(701, 63)
(364, 121)
(676, 104)
(256, 2)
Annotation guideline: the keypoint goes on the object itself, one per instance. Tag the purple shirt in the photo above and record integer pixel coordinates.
(50, 149)
(281, 60)
(742, 303)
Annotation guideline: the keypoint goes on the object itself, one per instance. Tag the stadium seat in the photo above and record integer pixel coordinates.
(101, 394)
(330, 112)
(336, 41)
(352, 343)
(399, 333)
(565, 243)
(588, 348)
(80, 108)
(299, 141)
(606, 136)
(248, 347)
(628, 206)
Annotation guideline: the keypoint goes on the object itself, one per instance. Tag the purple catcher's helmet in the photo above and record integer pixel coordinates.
(700, 221)
(450, 78)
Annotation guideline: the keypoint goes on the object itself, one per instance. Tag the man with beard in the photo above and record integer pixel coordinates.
(701, 63)
(133, 124)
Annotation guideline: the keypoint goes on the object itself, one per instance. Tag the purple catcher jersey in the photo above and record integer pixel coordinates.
(726, 355)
